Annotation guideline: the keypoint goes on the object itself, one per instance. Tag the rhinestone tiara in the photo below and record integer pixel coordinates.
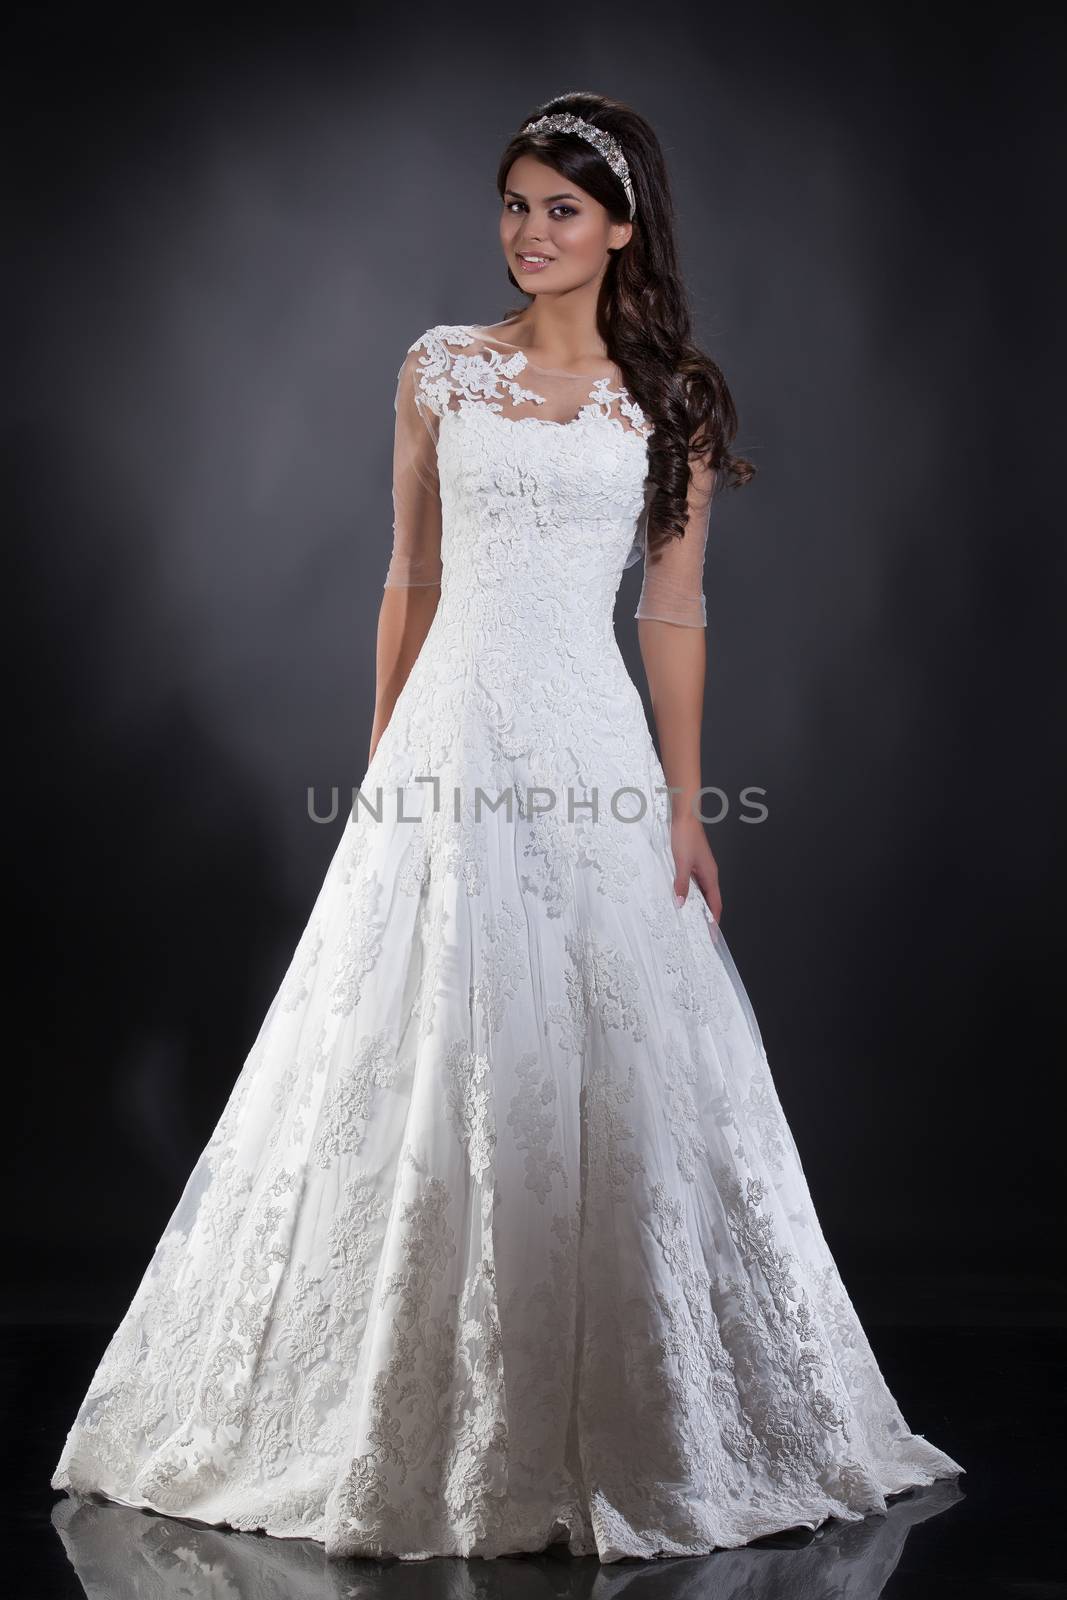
(603, 142)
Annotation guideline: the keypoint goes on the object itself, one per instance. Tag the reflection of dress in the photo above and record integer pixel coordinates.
(502, 1236)
(124, 1555)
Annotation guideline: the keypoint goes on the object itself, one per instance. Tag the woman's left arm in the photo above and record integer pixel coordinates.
(672, 634)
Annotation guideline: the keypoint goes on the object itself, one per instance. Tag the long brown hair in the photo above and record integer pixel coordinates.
(643, 313)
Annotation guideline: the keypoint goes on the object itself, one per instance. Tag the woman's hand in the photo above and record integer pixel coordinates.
(693, 859)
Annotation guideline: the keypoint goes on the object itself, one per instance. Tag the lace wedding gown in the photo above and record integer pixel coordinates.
(502, 1236)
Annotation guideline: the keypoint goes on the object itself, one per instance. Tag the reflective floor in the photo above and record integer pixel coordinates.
(991, 1396)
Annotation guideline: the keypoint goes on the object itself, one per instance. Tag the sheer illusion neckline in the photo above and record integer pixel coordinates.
(483, 332)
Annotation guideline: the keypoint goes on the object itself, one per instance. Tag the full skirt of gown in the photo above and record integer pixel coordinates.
(502, 1236)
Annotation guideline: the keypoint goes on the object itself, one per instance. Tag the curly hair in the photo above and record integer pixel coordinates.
(643, 314)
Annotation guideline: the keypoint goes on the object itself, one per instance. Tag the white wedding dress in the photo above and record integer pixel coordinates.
(502, 1237)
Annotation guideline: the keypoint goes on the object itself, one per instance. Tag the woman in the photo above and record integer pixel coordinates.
(502, 1237)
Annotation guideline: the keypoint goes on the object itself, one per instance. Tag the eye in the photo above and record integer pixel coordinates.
(510, 205)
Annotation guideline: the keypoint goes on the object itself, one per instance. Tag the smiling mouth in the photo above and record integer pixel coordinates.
(532, 260)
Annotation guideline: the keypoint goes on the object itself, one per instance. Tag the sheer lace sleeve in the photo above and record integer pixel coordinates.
(672, 588)
(416, 553)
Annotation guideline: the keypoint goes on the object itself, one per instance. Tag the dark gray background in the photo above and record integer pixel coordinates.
(225, 235)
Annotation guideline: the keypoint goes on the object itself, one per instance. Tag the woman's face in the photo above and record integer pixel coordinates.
(547, 215)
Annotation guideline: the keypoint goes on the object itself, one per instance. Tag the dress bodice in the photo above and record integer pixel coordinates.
(521, 492)
(528, 487)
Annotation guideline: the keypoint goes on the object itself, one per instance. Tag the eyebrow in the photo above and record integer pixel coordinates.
(520, 196)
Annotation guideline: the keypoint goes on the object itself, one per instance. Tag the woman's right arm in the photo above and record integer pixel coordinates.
(403, 623)
(413, 580)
